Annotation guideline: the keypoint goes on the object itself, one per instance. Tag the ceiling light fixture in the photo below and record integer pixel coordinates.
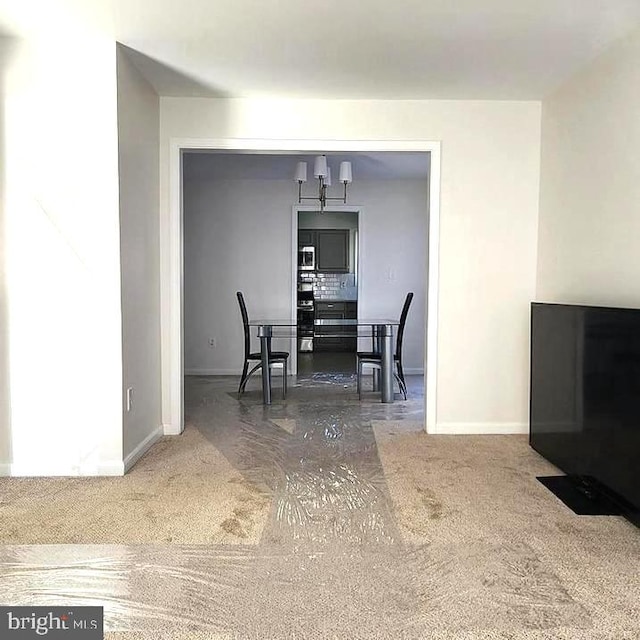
(323, 172)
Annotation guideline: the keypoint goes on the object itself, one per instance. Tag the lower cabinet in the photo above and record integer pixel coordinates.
(335, 338)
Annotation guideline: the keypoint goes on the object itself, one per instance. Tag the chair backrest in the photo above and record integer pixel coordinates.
(403, 320)
(245, 324)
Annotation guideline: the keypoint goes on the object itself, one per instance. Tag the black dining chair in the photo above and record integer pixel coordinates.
(375, 359)
(279, 357)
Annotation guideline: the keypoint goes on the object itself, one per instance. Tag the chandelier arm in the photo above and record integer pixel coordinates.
(342, 198)
(322, 196)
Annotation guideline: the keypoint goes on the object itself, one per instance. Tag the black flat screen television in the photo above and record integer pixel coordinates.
(585, 396)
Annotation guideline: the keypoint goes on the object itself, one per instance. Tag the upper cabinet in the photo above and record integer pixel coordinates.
(306, 238)
(332, 250)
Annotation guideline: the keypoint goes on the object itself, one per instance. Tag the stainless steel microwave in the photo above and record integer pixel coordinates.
(307, 258)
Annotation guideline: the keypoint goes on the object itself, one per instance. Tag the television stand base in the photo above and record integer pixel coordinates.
(583, 498)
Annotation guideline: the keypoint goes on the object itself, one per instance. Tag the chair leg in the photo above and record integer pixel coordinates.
(244, 383)
(284, 379)
(359, 379)
(243, 376)
(403, 386)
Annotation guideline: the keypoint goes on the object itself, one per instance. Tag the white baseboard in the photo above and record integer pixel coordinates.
(172, 429)
(481, 428)
(142, 448)
(225, 372)
(416, 371)
(86, 469)
(115, 468)
(211, 372)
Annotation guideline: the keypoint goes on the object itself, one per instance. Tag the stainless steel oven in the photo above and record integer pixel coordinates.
(305, 324)
(307, 259)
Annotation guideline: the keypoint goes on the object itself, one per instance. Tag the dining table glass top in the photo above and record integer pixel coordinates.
(326, 322)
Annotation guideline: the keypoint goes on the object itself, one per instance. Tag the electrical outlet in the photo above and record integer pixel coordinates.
(212, 343)
(129, 398)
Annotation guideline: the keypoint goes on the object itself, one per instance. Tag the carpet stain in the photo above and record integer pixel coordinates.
(234, 527)
(244, 514)
(138, 496)
(428, 499)
(568, 528)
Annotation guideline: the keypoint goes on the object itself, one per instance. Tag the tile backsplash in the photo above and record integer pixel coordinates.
(335, 286)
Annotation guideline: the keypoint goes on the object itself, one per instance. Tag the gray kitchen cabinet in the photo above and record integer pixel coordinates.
(332, 250)
(306, 238)
(351, 312)
(332, 338)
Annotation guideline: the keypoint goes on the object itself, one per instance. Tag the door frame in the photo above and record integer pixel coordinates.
(172, 272)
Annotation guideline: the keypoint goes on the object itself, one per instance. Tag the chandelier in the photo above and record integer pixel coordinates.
(322, 172)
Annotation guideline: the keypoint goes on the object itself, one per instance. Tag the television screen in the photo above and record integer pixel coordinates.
(585, 395)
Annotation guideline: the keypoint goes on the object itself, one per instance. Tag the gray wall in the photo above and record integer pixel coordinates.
(237, 236)
(138, 127)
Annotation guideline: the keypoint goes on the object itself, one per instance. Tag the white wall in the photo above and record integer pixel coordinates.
(5, 409)
(488, 235)
(589, 247)
(237, 236)
(138, 130)
(62, 237)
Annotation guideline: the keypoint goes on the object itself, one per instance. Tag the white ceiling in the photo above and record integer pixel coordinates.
(368, 49)
(282, 166)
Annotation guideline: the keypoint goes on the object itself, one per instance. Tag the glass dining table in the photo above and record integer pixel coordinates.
(382, 330)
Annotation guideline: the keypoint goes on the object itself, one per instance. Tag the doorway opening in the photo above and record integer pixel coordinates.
(376, 288)
(326, 276)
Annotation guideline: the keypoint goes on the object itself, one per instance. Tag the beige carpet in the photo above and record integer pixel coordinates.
(183, 491)
(479, 492)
